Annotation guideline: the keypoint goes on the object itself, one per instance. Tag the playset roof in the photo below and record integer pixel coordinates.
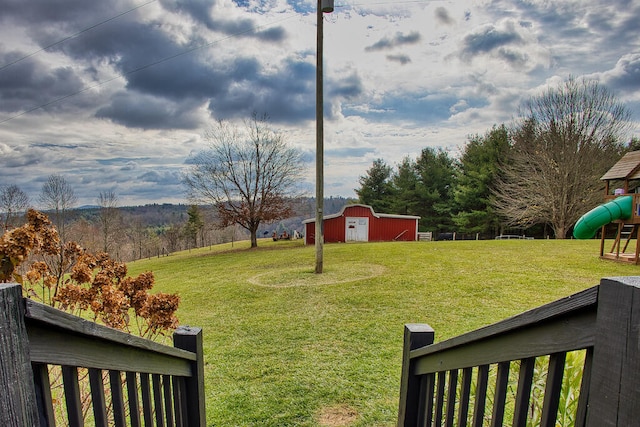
(628, 167)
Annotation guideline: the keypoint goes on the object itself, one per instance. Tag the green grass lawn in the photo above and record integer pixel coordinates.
(286, 347)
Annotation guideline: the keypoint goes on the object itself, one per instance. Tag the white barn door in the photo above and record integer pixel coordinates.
(357, 229)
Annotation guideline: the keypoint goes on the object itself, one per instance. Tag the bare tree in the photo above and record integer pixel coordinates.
(135, 233)
(58, 197)
(172, 235)
(249, 174)
(13, 202)
(108, 217)
(564, 141)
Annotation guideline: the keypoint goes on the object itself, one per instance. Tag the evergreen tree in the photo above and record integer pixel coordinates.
(479, 166)
(405, 188)
(375, 187)
(194, 225)
(436, 172)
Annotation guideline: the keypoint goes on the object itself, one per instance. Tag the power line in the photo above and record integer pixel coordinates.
(152, 1)
(152, 64)
(75, 35)
(144, 67)
(388, 2)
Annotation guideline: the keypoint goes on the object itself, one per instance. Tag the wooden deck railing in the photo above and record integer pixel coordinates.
(164, 385)
(449, 383)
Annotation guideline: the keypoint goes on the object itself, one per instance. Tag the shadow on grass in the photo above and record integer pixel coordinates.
(338, 273)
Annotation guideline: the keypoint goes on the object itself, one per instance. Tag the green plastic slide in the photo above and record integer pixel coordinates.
(590, 223)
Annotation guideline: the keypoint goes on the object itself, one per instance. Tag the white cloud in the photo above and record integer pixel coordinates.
(399, 76)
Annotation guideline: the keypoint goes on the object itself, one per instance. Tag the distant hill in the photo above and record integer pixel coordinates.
(152, 215)
(165, 214)
(305, 209)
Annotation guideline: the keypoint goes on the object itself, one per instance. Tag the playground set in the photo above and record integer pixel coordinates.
(621, 208)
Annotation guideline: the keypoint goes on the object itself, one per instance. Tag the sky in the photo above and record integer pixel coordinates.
(116, 95)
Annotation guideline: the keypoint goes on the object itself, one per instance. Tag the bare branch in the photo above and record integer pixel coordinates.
(249, 174)
(108, 216)
(565, 140)
(13, 202)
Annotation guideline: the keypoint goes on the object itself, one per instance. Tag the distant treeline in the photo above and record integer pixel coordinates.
(502, 183)
(158, 229)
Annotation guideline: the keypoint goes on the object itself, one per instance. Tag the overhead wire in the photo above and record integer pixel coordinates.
(144, 67)
(151, 64)
(75, 34)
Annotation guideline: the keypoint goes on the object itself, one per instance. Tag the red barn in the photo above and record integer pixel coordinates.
(359, 223)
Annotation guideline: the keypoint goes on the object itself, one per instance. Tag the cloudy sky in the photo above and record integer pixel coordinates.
(116, 94)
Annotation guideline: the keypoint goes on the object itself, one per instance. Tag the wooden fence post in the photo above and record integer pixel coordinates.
(415, 336)
(190, 339)
(18, 405)
(614, 391)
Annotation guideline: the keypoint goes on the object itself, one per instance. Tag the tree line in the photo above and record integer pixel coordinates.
(126, 233)
(248, 177)
(538, 175)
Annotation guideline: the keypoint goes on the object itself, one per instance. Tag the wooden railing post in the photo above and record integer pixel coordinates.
(190, 339)
(415, 336)
(614, 391)
(18, 405)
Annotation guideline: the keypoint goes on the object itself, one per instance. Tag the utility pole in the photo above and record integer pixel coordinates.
(324, 6)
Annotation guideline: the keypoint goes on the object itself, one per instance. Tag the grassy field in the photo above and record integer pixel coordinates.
(287, 347)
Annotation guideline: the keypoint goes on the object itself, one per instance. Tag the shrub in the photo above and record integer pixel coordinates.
(65, 276)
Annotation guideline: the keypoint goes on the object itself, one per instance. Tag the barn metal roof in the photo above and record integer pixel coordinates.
(628, 167)
(375, 214)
